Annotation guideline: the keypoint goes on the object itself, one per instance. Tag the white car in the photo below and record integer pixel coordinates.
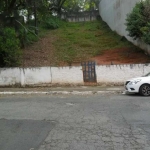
(139, 85)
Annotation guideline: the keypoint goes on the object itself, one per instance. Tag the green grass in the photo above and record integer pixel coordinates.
(80, 41)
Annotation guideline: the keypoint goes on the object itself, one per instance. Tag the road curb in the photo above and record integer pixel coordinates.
(57, 92)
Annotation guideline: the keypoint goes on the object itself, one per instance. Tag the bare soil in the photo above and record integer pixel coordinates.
(42, 53)
(122, 56)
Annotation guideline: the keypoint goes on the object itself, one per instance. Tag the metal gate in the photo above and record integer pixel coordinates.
(89, 73)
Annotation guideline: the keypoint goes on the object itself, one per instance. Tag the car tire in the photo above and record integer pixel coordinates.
(145, 90)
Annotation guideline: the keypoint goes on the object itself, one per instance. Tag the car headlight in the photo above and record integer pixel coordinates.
(135, 82)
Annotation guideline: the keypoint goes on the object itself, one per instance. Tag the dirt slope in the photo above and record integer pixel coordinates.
(42, 53)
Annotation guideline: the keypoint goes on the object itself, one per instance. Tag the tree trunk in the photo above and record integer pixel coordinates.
(35, 17)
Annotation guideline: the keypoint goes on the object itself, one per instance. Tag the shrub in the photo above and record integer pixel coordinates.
(51, 22)
(9, 48)
(138, 22)
(27, 36)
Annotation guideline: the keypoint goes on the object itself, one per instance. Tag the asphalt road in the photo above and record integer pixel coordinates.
(71, 122)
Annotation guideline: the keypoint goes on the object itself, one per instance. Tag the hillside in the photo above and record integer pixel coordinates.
(73, 43)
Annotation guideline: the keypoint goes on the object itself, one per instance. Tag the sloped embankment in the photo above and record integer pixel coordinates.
(76, 42)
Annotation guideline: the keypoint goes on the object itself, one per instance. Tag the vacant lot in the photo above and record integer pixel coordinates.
(76, 42)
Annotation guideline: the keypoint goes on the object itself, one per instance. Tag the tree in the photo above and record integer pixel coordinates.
(80, 5)
(73, 6)
(91, 4)
(9, 48)
(56, 6)
(59, 6)
(138, 22)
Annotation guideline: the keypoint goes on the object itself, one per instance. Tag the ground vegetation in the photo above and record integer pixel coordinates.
(73, 43)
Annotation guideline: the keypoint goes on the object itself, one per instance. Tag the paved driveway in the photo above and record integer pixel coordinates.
(92, 122)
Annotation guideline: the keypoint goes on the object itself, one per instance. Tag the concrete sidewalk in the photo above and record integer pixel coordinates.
(63, 90)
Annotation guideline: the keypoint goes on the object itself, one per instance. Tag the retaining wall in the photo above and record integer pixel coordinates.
(114, 12)
(106, 74)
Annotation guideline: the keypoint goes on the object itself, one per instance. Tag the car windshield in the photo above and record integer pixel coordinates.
(148, 74)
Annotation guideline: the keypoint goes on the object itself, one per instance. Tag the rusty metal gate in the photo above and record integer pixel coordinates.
(89, 73)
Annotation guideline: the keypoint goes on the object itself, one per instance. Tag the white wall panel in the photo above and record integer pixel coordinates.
(114, 13)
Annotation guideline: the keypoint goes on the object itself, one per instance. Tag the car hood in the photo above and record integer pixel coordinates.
(138, 78)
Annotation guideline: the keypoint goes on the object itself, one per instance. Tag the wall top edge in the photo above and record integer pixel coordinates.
(145, 64)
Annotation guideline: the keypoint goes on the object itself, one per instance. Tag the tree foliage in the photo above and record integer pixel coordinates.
(138, 22)
(9, 48)
(24, 18)
(14, 30)
(80, 5)
(56, 6)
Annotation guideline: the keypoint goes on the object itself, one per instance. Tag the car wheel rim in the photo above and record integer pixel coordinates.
(146, 90)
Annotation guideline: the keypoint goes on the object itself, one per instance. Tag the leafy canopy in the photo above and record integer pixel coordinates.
(138, 22)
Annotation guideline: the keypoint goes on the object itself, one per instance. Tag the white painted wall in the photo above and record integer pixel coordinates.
(39, 75)
(67, 75)
(114, 12)
(10, 76)
(106, 74)
(120, 73)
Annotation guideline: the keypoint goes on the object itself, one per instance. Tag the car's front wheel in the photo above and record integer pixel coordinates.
(145, 90)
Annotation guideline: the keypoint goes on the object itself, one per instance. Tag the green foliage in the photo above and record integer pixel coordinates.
(51, 22)
(80, 5)
(82, 40)
(22, 33)
(135, 21)
(27, 36)
(146, 33)
(138, 22)
(9, 48)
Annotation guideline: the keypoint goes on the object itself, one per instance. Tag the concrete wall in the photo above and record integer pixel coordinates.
(36, 76)
(80, 16)
(117, 74)
(114, 12)
(67, 75)
(10, 76)
(106, 74)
